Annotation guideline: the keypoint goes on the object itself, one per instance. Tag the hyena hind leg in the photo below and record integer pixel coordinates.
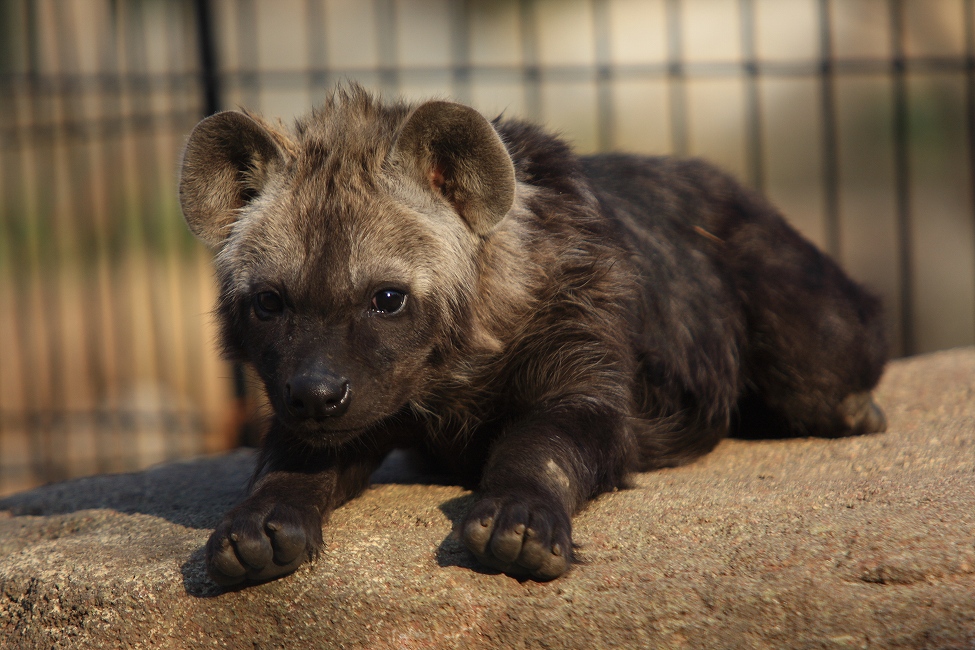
(816, 339)
(810, 369)
(857, 414)
(861, 414)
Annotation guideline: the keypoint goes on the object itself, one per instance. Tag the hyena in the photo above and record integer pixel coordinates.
(539, 322)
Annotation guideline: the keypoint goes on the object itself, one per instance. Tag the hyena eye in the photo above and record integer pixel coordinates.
(267, 305)
(388, 301)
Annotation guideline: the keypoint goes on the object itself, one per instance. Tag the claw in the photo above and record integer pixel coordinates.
(261, 543)
(519, 538)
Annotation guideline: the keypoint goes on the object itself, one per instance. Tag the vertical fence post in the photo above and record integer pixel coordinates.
(387, 40)
(244, 432)
(677, 79)
(753, 103)
(605, 115)
(530, 65)
(827, 84)
(318, 77)
(209, 78)
(902, 178)
(969, 14)
(460, 50)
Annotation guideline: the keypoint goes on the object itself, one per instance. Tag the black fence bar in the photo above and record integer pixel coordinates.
(753, 104)
(206, 44)
(530, 73)
(387, 43)
(969, 15)
(830, 155)
(98, 129)
(211, 87)
(320, 78)
(460, 50)
(50, 86)
(181, 39)
(602, 55)
(902, 177)
(272, 79)
(676, 72)
(248, 54)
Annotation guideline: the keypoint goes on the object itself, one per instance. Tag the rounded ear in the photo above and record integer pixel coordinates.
(454, 151)
(226, 164)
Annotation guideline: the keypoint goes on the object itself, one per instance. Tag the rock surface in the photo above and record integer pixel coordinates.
(858, 543)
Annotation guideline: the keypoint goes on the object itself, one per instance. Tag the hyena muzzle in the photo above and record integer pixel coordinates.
(540, 323)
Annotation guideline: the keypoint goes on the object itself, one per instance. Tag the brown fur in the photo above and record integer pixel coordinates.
(564, 320)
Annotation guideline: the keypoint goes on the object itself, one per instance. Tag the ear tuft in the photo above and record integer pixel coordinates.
(454, 151)
(226, 164)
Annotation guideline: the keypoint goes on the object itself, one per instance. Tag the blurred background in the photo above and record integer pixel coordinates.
(857, 117)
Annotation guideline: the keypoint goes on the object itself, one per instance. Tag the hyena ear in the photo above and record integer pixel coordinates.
(455, 152)
(226, 164)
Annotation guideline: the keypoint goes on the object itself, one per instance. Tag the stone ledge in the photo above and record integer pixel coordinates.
(857, 543)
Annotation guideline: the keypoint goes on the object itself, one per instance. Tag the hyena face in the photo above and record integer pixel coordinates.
(339, 322)
(347, 253)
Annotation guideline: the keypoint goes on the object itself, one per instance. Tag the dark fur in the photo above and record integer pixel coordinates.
(581, 319)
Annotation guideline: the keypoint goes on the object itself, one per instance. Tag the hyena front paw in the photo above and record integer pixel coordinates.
(520, 537)
(262, 542)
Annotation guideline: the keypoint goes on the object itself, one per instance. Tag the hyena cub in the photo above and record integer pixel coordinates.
(539, 322)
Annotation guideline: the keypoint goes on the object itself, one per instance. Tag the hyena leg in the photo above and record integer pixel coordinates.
(539, 473)
(816, 346)
(856, 414)
(812, 374)
(279, 526)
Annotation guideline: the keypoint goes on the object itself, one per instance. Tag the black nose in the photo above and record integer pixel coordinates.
(317, 395)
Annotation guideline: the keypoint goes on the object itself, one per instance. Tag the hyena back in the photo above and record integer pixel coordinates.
(541, 323)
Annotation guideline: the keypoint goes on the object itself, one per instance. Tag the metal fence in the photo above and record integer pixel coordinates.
(855, 116)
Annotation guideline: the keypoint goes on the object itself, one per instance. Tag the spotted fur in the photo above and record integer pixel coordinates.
(567, 320)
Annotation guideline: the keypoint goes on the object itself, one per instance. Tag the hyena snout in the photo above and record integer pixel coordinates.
(317, 394)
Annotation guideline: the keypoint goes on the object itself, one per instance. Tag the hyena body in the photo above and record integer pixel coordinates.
(541, 323)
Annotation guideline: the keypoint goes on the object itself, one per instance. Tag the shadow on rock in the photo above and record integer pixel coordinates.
(452, 551)
(196, 582)
(193, 493)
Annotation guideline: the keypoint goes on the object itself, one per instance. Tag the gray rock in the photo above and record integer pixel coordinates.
(858, 543)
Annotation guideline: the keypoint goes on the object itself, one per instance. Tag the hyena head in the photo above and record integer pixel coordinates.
(346, 250)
